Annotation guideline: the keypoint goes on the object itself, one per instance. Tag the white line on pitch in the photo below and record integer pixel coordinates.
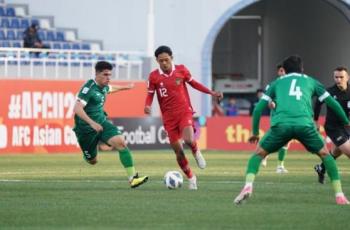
(123, 181)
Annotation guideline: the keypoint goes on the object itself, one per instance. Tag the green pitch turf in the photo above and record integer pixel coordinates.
(61, 191)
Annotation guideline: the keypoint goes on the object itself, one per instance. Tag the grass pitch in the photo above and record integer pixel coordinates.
(61, 191)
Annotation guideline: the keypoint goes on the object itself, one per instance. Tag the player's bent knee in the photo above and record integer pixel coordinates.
(117, 142)
(121, 146)
(261, 152)
(323, 152)
(188, 141)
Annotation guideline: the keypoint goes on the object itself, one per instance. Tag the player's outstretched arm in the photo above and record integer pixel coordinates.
(256, 119)
(198, 86)
(116, 88)
(79, 111)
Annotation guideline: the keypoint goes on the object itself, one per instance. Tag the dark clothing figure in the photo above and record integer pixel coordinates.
(343, 97)
(31, 38)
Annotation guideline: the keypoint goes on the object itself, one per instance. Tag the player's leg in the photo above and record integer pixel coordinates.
(183, 163)
(112, 136)
(173, 129)
(339, 137)
(281, 155)
(252, 169)
(274, 139)
(188, 137)
(332, 171)
(321, 169)
(313, 142)
(264, 161)
(187, 129)
(88, 144)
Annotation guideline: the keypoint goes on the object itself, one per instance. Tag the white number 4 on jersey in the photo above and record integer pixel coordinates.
(295, 90)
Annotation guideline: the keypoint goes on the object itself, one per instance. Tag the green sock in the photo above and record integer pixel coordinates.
(332, 171)
(127, 161)
(281, 155)
(253, 167)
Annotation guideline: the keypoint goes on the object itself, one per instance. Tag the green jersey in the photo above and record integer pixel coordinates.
(93, 97)
(293, 96)
(272, 111)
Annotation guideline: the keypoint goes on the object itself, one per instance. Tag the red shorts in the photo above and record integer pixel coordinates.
(174, 125)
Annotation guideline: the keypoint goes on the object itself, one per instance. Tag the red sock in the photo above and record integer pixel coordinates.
(183, 163)
(193, 147)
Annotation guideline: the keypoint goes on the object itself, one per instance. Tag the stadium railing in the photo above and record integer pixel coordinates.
(23, 63)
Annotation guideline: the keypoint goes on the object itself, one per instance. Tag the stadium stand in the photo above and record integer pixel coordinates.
(68, 56)
(10, 21)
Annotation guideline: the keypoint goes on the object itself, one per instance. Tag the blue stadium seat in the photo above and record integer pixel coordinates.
(35, 21)
(76, 46)
(2, 35)
(50, 36)
(57, 46)
(11, 35)
(75, 56)
(53, 56)
(5, 44)
(92, 57)
(110, 57)
(5, 23)
(2, 11)
(82, 56)
(32, 55)
(66, 46)
(16, 44)
(14, 23)
(101, 57)
(41, 35)
(25, 23)
(85, 46)
(10, 12)
(60, 36)
(19, 35)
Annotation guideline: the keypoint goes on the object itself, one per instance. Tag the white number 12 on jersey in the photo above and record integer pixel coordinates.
(163, 92)
(295, 90)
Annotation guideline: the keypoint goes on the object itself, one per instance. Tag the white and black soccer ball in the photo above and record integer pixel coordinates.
(173, 179)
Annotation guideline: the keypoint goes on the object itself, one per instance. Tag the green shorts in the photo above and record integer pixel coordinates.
(88, 141)
(278, 136)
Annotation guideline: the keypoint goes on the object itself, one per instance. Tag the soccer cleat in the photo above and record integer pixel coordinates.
(321, 173)
(281, 169)
(264, 162)
(244, 195)
(200, 160)
(341, 200)
(192, 183)
(137, 181)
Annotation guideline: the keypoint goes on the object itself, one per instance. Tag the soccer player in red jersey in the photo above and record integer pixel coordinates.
(170, 81)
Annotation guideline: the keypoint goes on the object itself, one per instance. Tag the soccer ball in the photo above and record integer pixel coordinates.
(173, 180)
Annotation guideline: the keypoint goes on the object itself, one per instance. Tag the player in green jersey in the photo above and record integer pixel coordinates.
(293, 119)
(282, 151)
(92, 125)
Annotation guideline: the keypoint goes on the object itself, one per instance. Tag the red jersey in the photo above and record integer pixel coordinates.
(171, 89)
